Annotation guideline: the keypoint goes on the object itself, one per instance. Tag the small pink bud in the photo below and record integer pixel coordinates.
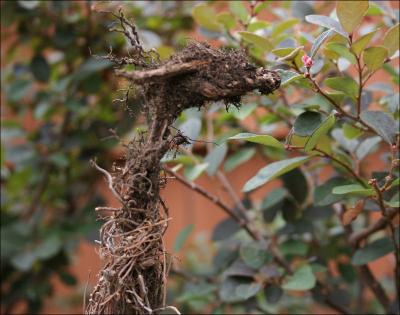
(308, 62)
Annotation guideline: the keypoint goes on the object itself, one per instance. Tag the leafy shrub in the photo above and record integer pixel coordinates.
(339, 123)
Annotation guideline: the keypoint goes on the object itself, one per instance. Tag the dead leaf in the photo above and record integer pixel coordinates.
(352, 213)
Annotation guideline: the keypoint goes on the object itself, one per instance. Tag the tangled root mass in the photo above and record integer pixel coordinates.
(133, 279)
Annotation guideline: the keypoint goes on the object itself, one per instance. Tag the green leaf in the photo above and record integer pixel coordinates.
(343, 84)
(351, 132)
(273, 293)
(262, 139)
(254, 255)
(288, 76)
(227, 20)
(395, 183)
(374, 57)
(23, 261)
(351, 13)
(303, 279)
(367, 146)
(260, 6)
(288, 54)
(273, 198)
(294, 247)
(225, 229)
(320, 40)
(244, 111)
(306, 123)
(90, 67)
(391, 39)
(372, 251)
(182, 237)
(59, 159)
(257, 25)
(239, 10)
(67, 278)
(273, 171)
(281, 27)
(238, 268)
(283, 52)
(323, 194)
(374, 10)
(235, 289)
(49, 248)
(191, 127)
(358, 46)
(40, 68)
(296, 183)
(215, 158)
(194, 171)
(393, 203)
(238, 158)
(355, 189)
(383, 124)
(343, 51)
(259, 41)
(18, 90)
(322, 129)
(29, 5)
(206, 17)
(326, 22)
(246, 291)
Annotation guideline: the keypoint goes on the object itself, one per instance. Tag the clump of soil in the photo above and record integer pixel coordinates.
(133, 279)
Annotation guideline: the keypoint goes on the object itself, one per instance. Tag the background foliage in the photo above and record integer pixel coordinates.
(59, 109)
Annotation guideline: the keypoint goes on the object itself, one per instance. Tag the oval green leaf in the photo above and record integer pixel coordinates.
(391, 39)
(383, 124)
(343, 84)
(306, 123)
(358, 46)
(354, 189)
(182, 237)
(327, 22)
(206, 17)
(194, 171)
(238, 158)
(372, 251)
(259, 41)
(40, 68)
(374, 57)
(319, 41)
(303, 279)
(272, 171)
(254, 255)
(323, 129)
(343, 51)
(262, 139)
(351, 13)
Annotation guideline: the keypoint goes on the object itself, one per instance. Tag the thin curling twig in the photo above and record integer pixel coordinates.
(109, 180)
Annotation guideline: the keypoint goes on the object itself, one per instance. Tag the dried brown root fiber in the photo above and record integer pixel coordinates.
(133, 279)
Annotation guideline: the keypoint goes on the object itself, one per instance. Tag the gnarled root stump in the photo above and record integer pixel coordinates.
(133, 279)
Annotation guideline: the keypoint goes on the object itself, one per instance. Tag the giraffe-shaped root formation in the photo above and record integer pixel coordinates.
(133, 279)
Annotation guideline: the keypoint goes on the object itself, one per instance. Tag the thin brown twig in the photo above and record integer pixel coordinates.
(356, 237)
(278, 258)
(348, 168)
(216, 201)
